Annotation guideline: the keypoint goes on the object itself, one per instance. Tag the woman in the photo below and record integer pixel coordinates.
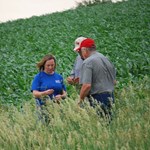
(47, 82)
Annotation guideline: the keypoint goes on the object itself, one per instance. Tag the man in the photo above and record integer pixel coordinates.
(75, 73)
(97, 75)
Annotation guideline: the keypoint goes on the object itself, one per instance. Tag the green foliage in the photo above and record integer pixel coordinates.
(73, 128)
(121, 32)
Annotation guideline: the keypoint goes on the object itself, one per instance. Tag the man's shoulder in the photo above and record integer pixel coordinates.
(98, 54)
(92, 57)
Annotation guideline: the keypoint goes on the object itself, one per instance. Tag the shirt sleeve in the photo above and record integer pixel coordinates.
(86, 74)
(115, 72)
(72, 74)
(77, 67)
(35, 83)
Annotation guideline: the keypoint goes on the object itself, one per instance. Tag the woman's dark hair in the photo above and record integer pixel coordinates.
(41, 64)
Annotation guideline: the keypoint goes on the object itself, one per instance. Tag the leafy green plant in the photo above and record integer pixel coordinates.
(120, 30)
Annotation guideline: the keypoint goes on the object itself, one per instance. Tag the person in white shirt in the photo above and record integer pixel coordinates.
(75, 73)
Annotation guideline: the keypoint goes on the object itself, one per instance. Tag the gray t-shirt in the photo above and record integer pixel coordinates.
(77, 67)
(99, 72)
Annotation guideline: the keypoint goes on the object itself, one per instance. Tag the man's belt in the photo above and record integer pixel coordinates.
(110, 93)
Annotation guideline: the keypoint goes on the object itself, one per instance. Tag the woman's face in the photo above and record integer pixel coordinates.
(49, 66)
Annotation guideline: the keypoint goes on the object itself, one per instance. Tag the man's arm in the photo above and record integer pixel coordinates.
(84, 91)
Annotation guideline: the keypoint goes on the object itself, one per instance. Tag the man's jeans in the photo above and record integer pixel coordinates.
(105, 100)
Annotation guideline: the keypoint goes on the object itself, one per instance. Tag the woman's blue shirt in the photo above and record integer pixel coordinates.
(43, 81)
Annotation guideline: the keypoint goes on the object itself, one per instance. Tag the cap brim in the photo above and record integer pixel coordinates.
(76, 48)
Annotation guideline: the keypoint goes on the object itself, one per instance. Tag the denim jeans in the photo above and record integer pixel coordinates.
(42, 111)
(105, 100)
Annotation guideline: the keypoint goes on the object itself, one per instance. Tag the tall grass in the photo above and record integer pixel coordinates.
(74, 128)
(120, 30)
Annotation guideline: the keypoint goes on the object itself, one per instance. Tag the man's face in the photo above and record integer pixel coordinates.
(83, 53)
(80, 53)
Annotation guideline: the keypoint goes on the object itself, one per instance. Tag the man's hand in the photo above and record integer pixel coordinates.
(115, 82)
(80, 102)
(85, 89)
(72, 80)
(76, 80)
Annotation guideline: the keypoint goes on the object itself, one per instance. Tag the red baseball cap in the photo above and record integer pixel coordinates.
(88, 43)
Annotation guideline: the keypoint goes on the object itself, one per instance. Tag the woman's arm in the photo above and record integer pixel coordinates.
(39, 94)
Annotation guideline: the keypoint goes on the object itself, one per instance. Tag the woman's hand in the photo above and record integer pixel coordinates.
(49, 92)
(39, 94)
(58, 97)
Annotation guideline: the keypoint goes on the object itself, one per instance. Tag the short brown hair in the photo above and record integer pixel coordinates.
(41, 64)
